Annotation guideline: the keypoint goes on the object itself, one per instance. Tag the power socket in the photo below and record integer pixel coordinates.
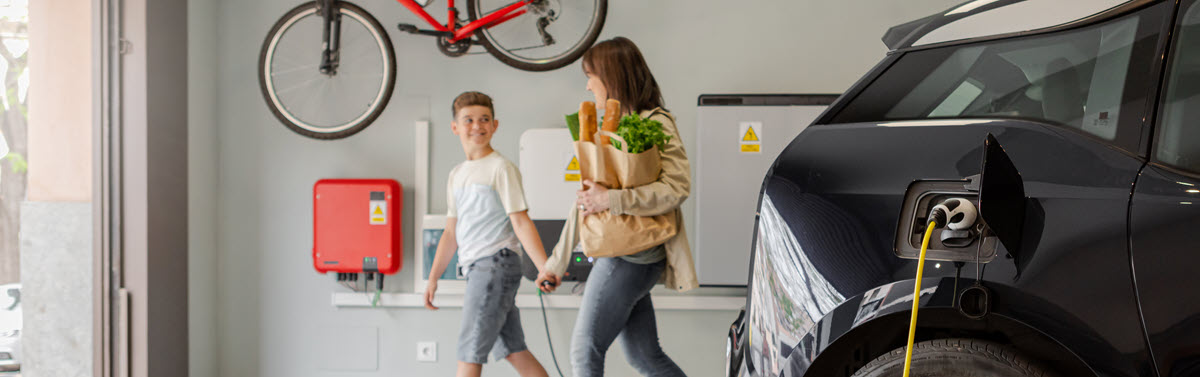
(427, 352)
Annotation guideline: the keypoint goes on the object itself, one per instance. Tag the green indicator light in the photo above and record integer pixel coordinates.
(579, 259)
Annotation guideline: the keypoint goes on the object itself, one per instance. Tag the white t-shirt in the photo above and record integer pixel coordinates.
(481, 194)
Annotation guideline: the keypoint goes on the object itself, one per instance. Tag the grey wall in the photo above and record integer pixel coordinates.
(273, 312)
(202, 188)
(56, 288)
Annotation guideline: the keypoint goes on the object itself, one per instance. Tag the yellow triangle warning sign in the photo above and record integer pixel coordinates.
(750, 135)
(574, 165)
(378, 211)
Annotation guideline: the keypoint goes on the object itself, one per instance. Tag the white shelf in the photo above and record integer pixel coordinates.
(530, 301)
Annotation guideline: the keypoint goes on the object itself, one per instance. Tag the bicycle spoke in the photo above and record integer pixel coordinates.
(526, 48)
(501, 7)
(361, 44)
(298, 85)
(314, 67)
(359, 75)
(283, 61)
(310, 105)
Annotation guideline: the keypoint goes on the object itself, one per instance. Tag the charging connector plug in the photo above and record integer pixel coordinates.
(954, 214)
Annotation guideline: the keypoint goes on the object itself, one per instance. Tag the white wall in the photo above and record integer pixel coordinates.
(271, 308)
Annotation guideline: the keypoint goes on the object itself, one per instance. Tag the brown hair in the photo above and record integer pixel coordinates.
(623, 71)
(472, 99)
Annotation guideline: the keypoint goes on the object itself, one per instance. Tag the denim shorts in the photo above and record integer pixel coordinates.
(491, 321)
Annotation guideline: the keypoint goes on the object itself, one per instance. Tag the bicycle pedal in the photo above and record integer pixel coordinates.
(407, 28)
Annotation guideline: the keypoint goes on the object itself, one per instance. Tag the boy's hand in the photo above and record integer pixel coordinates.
(430, 289)
(550, 278)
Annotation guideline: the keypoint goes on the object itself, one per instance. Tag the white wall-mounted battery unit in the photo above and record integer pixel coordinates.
(738, 137)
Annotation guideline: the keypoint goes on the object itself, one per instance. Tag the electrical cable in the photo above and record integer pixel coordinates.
(957, 274)
(912, 324)
(546, 322)
(378, 290)
(955, 214)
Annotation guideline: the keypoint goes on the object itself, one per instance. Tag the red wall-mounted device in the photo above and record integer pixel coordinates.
(356, 225)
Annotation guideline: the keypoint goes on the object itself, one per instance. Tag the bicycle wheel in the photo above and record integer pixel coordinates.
(573, 26)
(319, 105)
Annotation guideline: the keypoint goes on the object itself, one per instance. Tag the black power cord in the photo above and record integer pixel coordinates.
(546, 322)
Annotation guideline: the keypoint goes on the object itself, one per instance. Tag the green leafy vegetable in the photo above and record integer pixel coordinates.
(642, 134)
(573, 125)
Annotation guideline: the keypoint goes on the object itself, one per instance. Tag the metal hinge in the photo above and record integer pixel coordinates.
(124, 46)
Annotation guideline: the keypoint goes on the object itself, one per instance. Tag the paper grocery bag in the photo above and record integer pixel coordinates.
(608, 235)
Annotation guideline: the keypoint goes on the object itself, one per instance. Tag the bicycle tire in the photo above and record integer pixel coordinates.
(573, 54)
(355, 125)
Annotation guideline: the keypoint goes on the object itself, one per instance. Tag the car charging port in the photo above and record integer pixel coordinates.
(964, 238)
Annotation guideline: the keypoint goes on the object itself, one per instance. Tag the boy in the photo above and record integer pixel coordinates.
(486, 222)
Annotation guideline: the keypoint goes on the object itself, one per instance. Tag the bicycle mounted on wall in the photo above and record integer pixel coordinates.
(337, 88)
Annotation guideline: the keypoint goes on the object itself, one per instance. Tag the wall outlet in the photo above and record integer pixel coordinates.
(427, 352)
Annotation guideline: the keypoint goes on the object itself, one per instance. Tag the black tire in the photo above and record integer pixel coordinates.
(957, 358)
(373, 111)
(733, 356)
(571, 56)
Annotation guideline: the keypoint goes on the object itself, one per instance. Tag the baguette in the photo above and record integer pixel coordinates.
(612, 118)
(587, 121)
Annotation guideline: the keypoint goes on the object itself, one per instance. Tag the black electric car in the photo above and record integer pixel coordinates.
(1074, 126)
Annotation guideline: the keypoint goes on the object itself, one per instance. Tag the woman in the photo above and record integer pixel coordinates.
(617, 299)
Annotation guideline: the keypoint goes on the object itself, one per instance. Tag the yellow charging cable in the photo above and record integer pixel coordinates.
(912, 325)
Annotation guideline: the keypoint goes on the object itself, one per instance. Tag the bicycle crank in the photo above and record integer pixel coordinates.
(454, 49)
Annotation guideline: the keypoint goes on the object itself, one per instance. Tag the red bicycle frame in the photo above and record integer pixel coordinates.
(495, 18)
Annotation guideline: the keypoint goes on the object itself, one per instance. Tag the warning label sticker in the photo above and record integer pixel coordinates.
(378, 213)
(750, 137)
(572, 171)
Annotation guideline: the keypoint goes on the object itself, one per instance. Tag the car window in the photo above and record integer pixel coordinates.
(1077, 78)
(1179, 136)
(10, 299)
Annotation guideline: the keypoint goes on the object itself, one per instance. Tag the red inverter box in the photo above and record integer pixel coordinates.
(356, 225)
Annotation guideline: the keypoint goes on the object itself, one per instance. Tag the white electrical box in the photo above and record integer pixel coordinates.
(549, 172)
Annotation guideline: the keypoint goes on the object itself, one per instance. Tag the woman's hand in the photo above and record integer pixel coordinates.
(430, 289)
(593, 198)
(547, 276)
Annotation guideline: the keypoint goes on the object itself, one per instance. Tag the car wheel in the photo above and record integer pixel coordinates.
(958, 358)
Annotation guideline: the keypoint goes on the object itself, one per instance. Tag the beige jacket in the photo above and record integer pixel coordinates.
(657, 198)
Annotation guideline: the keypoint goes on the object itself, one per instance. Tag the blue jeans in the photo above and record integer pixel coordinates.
(617, 302)
(491, 320)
